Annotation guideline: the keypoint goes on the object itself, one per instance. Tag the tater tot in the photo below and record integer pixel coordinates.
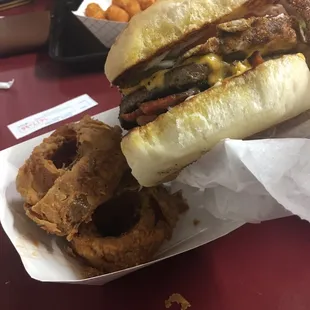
(117, 14)
(144, 4)
(95, 11)
(132, 7)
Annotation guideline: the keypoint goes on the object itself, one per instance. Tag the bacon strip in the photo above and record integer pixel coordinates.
(161, 105)
(132, 116)
(255, 59)
(148, 111)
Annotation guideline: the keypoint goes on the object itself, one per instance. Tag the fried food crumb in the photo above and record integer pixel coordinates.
(179, 299)
(196, 222)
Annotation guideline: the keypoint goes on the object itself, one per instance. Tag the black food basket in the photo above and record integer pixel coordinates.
(71, 42)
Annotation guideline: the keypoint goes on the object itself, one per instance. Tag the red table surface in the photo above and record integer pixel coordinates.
(263, 266)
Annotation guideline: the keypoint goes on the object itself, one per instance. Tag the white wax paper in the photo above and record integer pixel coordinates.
(236, 182)
(255, 180)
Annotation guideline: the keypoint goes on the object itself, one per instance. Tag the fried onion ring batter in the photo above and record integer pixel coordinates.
(70, 174)
(129, 229)
(46, 163)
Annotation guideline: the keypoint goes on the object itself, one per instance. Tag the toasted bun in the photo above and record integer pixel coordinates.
(166, 24)
(273, 92)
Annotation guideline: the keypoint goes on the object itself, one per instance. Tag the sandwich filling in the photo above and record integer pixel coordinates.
(238, 46)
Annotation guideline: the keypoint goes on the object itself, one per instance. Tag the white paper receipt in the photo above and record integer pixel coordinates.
(51, 116)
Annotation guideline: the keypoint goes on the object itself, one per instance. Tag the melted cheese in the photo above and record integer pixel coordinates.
(157, 80)
(217, 66)
(219, 70)
(240, 67)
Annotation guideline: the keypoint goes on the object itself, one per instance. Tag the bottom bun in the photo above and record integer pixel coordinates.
(272, 93)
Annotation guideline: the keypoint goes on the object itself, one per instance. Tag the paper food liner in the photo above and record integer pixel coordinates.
(237, 182)
(106, 31)
(44, 256)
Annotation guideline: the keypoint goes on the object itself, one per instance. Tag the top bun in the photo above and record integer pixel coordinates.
(166, 25)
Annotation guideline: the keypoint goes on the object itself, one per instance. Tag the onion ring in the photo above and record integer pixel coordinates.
(149, 217)
(40, 171)
(70, 174)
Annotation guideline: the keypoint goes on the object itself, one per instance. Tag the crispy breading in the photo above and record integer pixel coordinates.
(77, 179)
(300, 9)
(264, 34)
(267, 35)
(129, 229)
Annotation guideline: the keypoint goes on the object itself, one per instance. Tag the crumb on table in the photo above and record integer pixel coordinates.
(179, 299)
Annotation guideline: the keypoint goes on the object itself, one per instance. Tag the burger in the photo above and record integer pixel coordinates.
(194, 72)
